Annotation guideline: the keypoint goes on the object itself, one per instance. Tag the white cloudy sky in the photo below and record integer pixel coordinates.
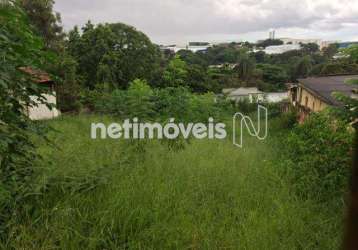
(180, 21)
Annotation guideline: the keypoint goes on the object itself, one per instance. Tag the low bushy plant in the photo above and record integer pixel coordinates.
(288, 120)
(320, 156)
(139, 100)
(145, 103)
(245, 106)
(172, 102)
(202, 107)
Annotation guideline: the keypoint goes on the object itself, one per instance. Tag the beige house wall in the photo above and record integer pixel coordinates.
(310, 101)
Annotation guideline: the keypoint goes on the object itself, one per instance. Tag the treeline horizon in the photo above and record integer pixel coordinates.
(106, 57)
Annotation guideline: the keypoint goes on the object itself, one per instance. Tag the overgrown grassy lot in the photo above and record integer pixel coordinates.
(116, 194)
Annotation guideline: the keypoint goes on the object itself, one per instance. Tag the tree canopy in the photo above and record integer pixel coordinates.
(352, 52)
(46, 22)
(113, 54)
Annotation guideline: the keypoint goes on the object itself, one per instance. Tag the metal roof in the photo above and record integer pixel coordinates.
(324, 87)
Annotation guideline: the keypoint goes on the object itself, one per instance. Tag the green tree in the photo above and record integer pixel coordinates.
(334, 68)
(330, 50)
(275, 75)
(192, 58)
(260, 56)
(245, 67)
(139, 100)
(68, 84)
(176, 73)
(173, 102)
(199, 80)
(352, 52)
(310, 48)
(303, 67)
(221, 54)
(47, 23)
(269, 42)
(224, 77)
(113, 54)
(73, 44)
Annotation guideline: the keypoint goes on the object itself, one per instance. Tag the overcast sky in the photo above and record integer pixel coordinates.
(180, 21)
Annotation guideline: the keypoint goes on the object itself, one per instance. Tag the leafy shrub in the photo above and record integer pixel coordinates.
(320, 156)
(139, 100)
(288, 120)
(19, 48)
(93, 99)
(274, 109)
(202, 107)
(159, 104)
(172, 102)
(134, 102)
(68, 87)
(114, 103)
(246, 107)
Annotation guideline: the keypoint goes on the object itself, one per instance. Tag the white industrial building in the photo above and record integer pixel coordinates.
(296, 41)
(191, 47)
(279, 49)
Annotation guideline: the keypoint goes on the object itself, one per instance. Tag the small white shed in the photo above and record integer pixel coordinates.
(275, 97)
(42, 111)
(253, 95)
(250, 94)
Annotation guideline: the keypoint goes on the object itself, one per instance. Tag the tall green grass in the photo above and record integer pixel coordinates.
(115, 194)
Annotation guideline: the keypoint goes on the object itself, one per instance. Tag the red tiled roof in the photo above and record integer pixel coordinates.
(37, 75)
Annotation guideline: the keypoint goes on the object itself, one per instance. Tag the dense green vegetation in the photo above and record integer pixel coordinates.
(60, 189)
(115, 194)
(19, 47)
(143, 102)
(268, 72)
(112, 54)
(321, 148)
(269, 42)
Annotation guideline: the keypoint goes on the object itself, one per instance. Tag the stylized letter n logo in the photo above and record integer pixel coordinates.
(245, 120)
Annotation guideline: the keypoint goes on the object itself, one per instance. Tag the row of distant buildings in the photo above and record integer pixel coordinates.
(295, 44)
(192, 46)
(288, 45)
